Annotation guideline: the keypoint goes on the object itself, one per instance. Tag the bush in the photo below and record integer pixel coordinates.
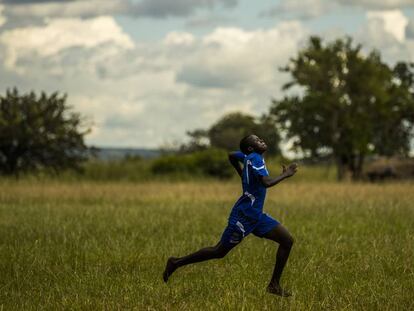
(210, 162)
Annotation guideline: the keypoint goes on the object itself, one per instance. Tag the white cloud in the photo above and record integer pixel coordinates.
(60, 34)
(58, 9)
(91, 8)
(386, 31)
(179, 38)
(303, 9)
(232, 57)
(2, 17)
(145, 94)
(308, 9)
(394, 22)
(166, 8)
(208, 21)
(409, 31)
(375, 4)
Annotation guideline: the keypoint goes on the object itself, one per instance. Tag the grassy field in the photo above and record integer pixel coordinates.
(91, 245)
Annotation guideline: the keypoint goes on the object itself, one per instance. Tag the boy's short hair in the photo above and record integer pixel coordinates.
(245, 144)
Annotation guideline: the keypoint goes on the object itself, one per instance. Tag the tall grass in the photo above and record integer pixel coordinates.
(89, 245)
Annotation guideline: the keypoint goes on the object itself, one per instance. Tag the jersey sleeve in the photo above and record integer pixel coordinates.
(239, 155)
(259, 166)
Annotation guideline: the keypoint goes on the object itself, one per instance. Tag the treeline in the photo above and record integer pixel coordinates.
(348, 106)
(344, 105)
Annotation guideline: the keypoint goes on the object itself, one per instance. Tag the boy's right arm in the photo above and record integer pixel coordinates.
(235, 162)
(268, 181)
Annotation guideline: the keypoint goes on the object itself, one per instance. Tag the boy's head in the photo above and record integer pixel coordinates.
(252, 143)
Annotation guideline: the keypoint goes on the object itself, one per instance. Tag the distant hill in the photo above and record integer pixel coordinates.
(105, 153)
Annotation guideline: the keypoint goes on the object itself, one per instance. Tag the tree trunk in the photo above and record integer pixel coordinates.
(340, 168)
(11, 165)
(357, 167)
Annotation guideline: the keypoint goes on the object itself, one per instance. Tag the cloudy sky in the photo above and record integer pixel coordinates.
(146, 71)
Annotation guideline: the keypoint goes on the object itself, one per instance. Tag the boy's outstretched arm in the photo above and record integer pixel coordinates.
(235, 162)
(268, 181)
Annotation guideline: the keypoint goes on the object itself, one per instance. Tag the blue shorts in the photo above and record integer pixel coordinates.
(239, 226)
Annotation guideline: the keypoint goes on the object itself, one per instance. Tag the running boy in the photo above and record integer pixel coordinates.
(247, 214)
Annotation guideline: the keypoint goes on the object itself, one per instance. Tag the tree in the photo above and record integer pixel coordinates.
(228, 130)
(351, 104)
(198, 141)
(394, 135)
(39, 132)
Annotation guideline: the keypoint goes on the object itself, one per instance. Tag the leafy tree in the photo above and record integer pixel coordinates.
(395, 133)
(39, 132)
(351, 104)
(228, 130)
(198, 141)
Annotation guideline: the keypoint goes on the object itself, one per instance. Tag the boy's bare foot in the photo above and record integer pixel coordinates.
(169, 269)
(277, 290)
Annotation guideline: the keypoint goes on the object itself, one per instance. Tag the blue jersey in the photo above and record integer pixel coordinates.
(254, 192)
(247, 214)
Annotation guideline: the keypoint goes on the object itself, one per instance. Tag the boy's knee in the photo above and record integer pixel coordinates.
(289, 242)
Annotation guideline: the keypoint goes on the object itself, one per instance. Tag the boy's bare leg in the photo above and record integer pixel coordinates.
(207, 253)
(282, 236)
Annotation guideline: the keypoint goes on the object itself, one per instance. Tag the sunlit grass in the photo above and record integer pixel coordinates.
(90, 245)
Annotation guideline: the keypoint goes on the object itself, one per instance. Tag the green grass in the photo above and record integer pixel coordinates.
(103, 246)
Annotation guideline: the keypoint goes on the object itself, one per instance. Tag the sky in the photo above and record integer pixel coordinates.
(144, 72)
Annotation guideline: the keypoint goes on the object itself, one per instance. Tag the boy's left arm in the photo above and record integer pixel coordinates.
(268, 181)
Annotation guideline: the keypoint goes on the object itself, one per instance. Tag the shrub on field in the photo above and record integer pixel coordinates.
(210, 162)
(390, 168)
(126, 169)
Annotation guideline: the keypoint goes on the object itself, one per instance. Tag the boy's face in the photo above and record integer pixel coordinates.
(257, 144)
